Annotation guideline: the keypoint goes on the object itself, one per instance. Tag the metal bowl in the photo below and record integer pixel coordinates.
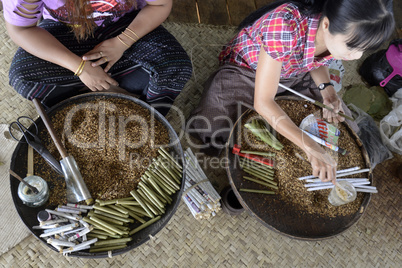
(280, 216)
(29, 215)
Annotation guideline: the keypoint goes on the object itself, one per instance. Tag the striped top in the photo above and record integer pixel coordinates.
(104, 11)
(285, 34)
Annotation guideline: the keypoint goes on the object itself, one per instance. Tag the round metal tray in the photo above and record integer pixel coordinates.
(29, 215)
(280, 216)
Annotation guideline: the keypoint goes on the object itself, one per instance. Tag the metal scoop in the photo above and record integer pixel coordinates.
(76, 189)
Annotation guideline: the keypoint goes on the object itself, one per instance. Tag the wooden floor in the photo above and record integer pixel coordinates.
(232, 12)
(215, 12)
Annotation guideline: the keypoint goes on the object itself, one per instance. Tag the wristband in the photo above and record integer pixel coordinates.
(322, 86)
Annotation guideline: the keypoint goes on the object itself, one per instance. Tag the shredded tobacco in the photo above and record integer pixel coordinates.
(113, 141)
(288, 167)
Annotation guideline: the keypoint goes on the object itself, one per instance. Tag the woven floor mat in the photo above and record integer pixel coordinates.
(241, 241)
(225, 241)
(203, 45)
(12, 229)
(12, 104)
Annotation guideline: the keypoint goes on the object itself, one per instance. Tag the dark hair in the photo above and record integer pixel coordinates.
(79, 14)
(369, 22)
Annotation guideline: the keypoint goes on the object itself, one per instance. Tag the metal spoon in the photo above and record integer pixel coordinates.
(34, 189)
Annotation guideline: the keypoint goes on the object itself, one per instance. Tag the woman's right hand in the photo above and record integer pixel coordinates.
(96, 79)
(324, 166)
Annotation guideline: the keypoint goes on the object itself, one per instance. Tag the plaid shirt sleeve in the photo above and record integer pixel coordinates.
(285, 34)
(278, 35)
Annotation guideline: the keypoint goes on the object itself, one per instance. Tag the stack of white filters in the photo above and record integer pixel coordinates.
(66, 231)
(360, 184)
(199, 194)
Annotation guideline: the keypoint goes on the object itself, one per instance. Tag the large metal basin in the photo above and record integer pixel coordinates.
(278, 215)
(29, 215)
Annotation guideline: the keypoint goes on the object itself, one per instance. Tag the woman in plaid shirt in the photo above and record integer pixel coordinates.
(289, 42)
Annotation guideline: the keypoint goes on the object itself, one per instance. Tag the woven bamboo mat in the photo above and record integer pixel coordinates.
(12, 229)
(227, 241)
(11, 104)
(241, 241)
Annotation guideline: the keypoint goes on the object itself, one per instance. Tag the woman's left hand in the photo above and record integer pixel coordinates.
(335, 103)
(109, 51)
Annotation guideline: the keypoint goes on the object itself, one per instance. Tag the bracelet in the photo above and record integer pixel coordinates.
(131, 31)
(80, 68)
(122, 41)
(129, 37)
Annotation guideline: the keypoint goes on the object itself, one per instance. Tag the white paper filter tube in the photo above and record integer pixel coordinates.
(57, 242)
(367, 187)
(50, 222)
(72, 249)
(79, 206)
(84, 244)
(343, 174)
(60, 227)
(80, 234)
(327, 186)
(337, 172)
(73, 231)
(45, 227)
(65, 215)
(366, 190)
(75, 209)
(345, 179)
(68, 210)
(318, 184)
(61, 230)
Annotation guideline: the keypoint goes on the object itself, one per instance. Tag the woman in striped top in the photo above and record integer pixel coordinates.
(94, 44)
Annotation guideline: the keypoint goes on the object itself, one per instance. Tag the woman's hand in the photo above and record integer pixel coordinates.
(93, 76)
(96, 79)
(333, 101)
(324, 166)
(109, 51)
